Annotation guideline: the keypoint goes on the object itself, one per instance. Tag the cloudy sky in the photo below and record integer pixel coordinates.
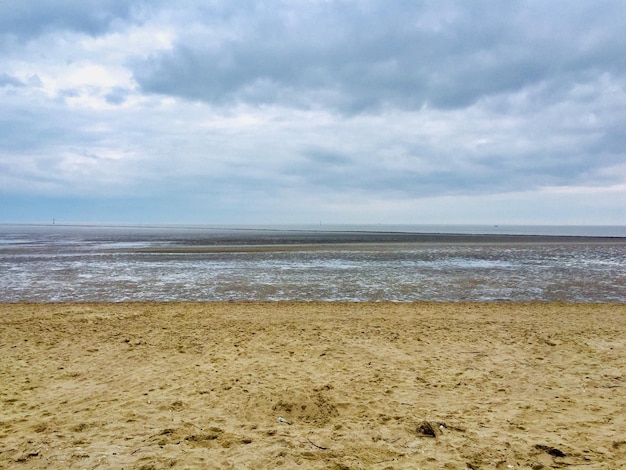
(301, 111)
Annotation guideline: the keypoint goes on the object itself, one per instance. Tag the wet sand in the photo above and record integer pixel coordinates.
(357, 385)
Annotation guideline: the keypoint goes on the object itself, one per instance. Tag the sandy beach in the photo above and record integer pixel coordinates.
(313, 385)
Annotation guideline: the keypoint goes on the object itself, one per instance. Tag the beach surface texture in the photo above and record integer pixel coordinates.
(313, 385)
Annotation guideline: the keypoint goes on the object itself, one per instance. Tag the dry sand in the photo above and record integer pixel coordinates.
(380, 386)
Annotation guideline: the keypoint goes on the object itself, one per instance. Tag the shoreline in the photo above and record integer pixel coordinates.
(377, 385)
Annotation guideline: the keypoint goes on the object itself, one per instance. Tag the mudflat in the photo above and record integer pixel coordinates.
(313, 385)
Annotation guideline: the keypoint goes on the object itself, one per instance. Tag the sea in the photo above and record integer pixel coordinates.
(352, 263)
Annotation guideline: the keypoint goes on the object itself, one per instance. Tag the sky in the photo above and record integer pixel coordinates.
(313, 111)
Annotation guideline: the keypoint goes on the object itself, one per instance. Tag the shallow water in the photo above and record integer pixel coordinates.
(53, 264)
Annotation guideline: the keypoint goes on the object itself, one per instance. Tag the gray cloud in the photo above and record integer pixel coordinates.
(359, 57)
(8, 80)
(117, 95)
(26, 20)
